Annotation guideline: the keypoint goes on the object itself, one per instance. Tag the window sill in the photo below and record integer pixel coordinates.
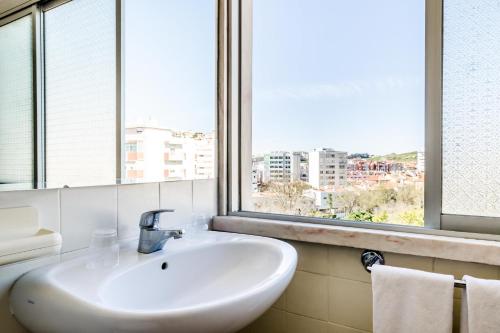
(436, 246)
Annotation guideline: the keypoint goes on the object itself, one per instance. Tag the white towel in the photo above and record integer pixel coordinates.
(411, 301)
(480, 306)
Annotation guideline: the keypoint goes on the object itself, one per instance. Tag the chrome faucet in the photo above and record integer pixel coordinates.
(152, 238)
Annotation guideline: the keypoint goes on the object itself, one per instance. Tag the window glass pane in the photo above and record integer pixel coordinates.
(80, 93)
(338, 109)
(169, 89)
(471, 108)
(16, 102)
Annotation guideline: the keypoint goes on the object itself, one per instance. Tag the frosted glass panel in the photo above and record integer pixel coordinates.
(471, 108)
(80, 93)
(16, 102)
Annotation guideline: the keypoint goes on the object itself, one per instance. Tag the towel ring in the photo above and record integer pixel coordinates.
(370, 258)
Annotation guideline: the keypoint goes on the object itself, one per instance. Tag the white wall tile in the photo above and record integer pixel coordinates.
(133, 200)
(205, 197)
(46, 203)
(176, 195)
(83, 210)
(8, 275)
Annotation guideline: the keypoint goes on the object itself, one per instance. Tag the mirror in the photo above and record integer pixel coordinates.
(100, 100)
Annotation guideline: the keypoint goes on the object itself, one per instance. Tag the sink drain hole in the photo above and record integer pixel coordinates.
(164, 266)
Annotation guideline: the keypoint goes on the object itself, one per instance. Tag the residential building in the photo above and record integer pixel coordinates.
(327, 168)
(299, 166)
(277, 166)
(153, 153)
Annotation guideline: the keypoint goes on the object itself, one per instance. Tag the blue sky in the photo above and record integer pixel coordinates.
(342, 74)
(170, 63)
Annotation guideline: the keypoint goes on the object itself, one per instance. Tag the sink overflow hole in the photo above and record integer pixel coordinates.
(164, 266)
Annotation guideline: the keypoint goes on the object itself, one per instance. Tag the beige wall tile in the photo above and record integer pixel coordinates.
(335, 328)
(312, 257)
(247, 329)
(350, 303)
(408, 261)
(273, 321)
(345, 262)
(307, 295)
(456, 316)
(459, 269)
(280, 303)
(300, 324)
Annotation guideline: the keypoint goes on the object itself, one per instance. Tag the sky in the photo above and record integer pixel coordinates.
(348, 75)
(169, 63)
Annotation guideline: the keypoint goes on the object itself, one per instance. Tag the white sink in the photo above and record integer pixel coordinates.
(219, 282)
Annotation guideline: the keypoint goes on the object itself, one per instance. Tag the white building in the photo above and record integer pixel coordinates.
(277, 166)
(327, 168)
(258, 173)
(420, 161)
(153, 153)
(299, 165)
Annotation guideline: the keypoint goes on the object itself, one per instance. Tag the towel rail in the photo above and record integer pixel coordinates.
(371, 257)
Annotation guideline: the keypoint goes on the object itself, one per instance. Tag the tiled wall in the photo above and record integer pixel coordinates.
(331, 291)
(76, 212)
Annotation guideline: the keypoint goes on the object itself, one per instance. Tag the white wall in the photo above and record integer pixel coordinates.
(76, 212)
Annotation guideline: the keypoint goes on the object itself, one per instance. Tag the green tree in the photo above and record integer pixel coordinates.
(360, 216)
(413, 217)
(381, 217)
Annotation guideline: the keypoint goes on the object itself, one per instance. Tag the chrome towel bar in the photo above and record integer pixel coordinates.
(371, 257)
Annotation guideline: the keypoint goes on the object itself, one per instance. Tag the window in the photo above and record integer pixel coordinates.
(80, 93)
(471, 112)
(373, 104)
(17, 146)
(97, 92)
(338, 93)
(471, 108)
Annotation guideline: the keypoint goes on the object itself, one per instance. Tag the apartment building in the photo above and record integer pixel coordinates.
(299, 166)
(158, 153)
(327, 168)
(277, 166)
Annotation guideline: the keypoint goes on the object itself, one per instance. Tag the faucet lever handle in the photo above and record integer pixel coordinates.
(150, 219)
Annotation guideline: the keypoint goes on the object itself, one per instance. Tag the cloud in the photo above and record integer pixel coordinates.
(339, 90)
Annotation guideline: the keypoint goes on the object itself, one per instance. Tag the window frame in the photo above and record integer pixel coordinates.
(239, 138)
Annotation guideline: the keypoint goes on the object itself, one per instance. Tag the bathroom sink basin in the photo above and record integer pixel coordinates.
(218, 282)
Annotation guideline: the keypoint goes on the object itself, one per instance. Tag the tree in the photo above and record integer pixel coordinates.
(413, 217)
(360, 216)
(287, 194)
(349, 200)
(329, 201)
(381, 217)
(410, 195)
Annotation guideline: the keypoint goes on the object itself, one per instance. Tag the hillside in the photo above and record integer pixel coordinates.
(403, 157)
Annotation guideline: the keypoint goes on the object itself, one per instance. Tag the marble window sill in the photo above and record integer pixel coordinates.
(453, 248)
